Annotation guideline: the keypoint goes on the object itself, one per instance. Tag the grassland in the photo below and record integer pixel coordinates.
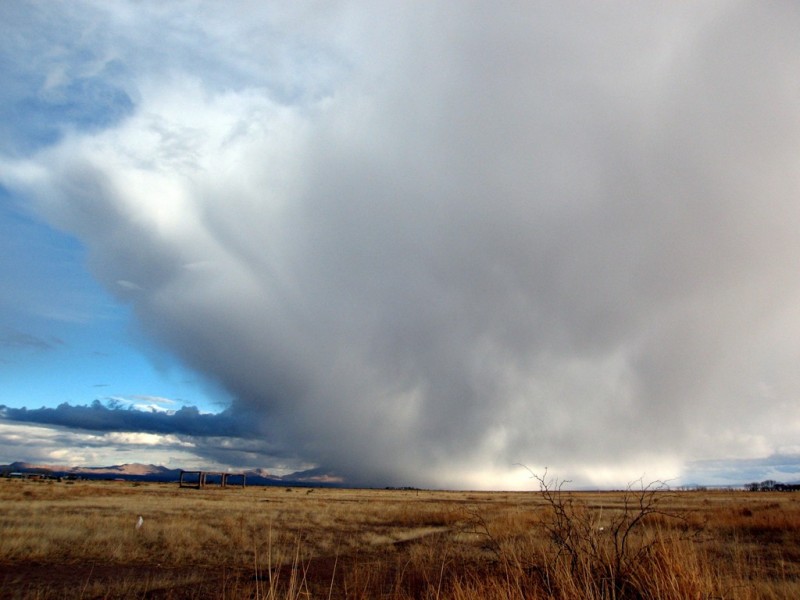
(79, 540)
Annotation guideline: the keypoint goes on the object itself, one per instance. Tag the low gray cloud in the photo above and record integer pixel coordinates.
(783, 468)
(422, 247)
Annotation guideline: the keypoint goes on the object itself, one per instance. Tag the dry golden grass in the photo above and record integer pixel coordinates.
(79, 540)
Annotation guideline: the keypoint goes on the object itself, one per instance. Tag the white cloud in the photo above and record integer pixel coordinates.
(144, 439)
(145, 403)
(60, 446)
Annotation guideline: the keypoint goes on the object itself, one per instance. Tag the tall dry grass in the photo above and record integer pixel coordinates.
(80, 541)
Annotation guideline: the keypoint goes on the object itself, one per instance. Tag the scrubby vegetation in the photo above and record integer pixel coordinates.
(79, 540)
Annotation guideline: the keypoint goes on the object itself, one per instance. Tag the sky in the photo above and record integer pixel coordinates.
(436, 244)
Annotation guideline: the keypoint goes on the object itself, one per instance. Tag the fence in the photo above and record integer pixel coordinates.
(200, 479)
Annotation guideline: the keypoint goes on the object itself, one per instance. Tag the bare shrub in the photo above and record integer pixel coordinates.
(618, 552)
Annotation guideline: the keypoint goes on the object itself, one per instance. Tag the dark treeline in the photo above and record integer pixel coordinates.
(770, 485)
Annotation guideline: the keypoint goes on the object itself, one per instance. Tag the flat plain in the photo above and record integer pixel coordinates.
(80, 540)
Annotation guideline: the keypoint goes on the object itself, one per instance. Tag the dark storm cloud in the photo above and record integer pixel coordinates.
(99, 417)
(469, 235)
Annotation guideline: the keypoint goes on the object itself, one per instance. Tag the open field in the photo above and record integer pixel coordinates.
(79, 540)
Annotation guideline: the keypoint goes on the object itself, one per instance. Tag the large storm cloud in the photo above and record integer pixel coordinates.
(426, 242)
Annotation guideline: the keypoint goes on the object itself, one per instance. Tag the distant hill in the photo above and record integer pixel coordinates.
(157, 473)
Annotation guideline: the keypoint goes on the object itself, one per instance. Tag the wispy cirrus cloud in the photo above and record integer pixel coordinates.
(23, 340)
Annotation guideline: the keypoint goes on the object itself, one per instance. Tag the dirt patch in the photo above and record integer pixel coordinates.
(316, 577)
(60, 580)
(381, 567)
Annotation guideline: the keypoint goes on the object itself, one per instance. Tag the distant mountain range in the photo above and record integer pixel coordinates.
(156, 473)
